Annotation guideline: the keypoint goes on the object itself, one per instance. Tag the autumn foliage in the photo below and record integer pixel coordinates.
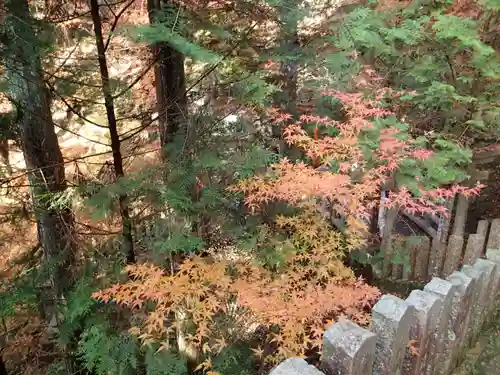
(313, 290)
(357, 168)
(313, 287)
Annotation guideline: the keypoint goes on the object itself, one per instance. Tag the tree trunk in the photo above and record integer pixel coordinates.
(4, 154)
(37, 136)
(170, 81)
(3, 369)
(286, 99)
(128, 244)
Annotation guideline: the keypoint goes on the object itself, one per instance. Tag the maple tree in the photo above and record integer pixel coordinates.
(313, 284)
(358, 167)
(233, 252)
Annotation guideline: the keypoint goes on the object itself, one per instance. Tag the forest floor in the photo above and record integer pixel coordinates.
(85, 146)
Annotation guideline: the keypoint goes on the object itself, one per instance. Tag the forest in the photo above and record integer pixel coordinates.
(203, 186)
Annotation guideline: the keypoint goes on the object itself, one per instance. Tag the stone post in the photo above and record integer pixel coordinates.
(476, 311)
(397, 271)
(494, 256)
(411, 248)
(445, 221)
(460, 315)
(460, 215)
(444, 290)
(422, 253)
(426, 308)
(482, 228)
(348, 349)
(436, 258)
(453, 254)
(295, 366)
(391, 323)
(494, 237)
(487, 303)
(399, 249)
(386, 245)
(474, 249)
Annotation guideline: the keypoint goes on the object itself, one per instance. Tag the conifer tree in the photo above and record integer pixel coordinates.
(169, 75)
(21, 54)
(128, 245)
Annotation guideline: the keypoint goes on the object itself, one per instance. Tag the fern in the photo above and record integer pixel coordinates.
(107, 353)
(163, 362)
(236, 360)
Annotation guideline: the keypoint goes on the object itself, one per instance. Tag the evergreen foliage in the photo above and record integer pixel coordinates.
(236, 266)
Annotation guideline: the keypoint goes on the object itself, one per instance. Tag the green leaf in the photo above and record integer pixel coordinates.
(478, 124)
(157, 33)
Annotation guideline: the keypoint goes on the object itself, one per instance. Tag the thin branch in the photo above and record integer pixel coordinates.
(79, 135)
(138, 78)
(115, 22)
(63, 63)
(69, 161)
(110, 8)
(73, 110)
(214, 66)
(450, 64)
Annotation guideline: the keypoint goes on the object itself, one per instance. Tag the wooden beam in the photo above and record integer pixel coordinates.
(423, 224)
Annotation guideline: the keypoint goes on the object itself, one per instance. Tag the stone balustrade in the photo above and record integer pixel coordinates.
(428, 333)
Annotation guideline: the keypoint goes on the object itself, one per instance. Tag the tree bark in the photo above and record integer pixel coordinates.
(3, 369)
(286, 99)
(128, 243)
(38, 139)
(170, 82)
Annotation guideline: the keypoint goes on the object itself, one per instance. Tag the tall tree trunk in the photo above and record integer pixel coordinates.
(172, 113)
(286, 99)
(3, 369)
(41, 150)
(170, 81)
(128, 243)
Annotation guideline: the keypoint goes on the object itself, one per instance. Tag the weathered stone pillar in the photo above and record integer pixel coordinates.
(494, 256)
(386, 245)
(411, 248)
(494, 237)
(474, 249)
(397, 271)
(348, 349)
(436, 258)
(295, 366)
(444, 222)
(487, 303)
(421, 251)
(391, 323)
(400, 251)
(460, 315)
(476, 311)
(444, 290)
(426, 308)
(460, 215)
(453, 254)
(482, 227)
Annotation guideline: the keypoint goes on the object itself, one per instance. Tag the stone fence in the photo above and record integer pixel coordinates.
(424, 258)
(428, 333)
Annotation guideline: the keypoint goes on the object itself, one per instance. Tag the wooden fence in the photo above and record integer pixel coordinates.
(428, 333)
(426, 257)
